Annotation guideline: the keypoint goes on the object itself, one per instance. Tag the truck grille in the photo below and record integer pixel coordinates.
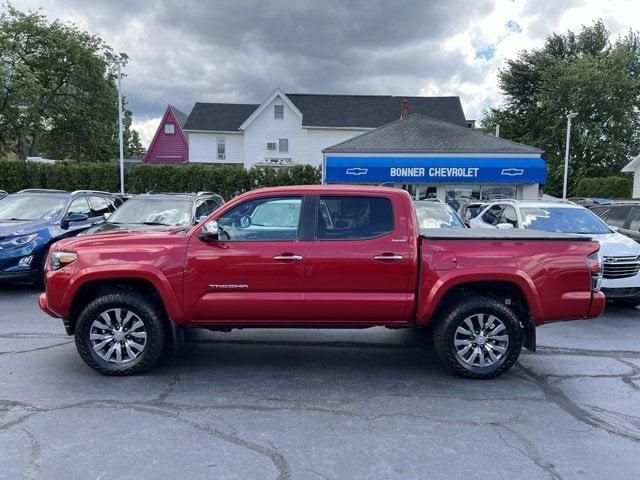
(621, 267)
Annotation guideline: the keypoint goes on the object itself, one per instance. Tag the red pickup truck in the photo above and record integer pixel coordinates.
(321, 257)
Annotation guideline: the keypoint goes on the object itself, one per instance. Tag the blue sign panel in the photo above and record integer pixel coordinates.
(341, 169)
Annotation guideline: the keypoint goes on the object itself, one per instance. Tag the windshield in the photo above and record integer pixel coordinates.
(565, 220)
(31, 207)
(436, 215)
(154, 211)
(277, 214)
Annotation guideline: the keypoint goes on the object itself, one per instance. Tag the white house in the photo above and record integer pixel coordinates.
(289, 129)
(634, 167)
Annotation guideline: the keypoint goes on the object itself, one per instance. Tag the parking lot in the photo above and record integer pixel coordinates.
(319, 405)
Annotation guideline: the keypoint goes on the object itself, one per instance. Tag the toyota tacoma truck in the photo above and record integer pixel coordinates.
(320, 257)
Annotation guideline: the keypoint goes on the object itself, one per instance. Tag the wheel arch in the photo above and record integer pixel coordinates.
(90, 290)
(506, 292)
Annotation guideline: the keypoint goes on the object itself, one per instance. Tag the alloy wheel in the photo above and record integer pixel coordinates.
(118, 335)
(481, 340)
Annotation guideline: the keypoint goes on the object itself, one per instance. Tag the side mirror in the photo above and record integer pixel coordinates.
(77, 217)
(107, 215)
(209, 231)
(504, 226)
(73, 218)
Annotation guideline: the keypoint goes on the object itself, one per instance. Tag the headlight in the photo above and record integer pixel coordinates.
(18, 241)
(62, 259)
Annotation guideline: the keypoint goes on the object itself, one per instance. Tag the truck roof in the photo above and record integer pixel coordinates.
(324, 189)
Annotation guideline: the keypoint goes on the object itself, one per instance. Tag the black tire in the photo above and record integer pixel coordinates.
(148, 313)
(445, 333)
(39, 280)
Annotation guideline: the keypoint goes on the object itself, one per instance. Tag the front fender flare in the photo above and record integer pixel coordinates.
(146, 273)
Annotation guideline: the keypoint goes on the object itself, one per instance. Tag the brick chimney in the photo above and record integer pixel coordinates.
(404, 108)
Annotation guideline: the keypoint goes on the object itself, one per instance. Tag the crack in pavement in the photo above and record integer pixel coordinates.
(38, 349)
(555, 395)
(529, 450)
(35, 457)
(583, 352)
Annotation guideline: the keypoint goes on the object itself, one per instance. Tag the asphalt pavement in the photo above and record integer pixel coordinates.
(318, 404)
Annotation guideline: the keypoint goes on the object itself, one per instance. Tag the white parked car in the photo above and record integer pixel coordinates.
(620, 254)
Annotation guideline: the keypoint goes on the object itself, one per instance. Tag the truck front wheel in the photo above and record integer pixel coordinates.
(478, 337)
(120, 333)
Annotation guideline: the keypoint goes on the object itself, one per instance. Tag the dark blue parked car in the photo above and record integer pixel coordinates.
(31, 220)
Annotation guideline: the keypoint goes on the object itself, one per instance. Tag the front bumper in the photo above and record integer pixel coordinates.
(20, 276)
(598, 300)
(44, 306)
(624, 293)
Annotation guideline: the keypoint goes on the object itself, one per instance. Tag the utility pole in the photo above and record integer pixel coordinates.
(121, 61)
(570, 116)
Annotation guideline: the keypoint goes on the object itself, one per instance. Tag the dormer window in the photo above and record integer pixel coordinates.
(278, 112)
(169, 128)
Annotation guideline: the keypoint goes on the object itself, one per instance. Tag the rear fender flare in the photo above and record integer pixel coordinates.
(453, 279)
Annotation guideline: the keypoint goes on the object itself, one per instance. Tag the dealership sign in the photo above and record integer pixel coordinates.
(363, 169)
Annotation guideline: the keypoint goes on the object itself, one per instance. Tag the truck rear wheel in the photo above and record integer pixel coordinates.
(120, 334)
(478, 338)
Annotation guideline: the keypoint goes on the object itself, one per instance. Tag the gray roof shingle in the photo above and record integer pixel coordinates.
(371, 111)
(420, 134)
(319, 110)
(224, 117)
(180, 117)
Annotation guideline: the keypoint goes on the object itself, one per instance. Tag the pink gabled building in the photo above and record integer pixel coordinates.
(170, 143)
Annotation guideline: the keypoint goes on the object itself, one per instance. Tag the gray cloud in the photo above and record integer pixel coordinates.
(187, 51)
(240, 50)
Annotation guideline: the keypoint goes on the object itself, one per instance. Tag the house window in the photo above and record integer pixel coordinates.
(271, 146)
(222, 148)
(168, 128)
(283, 144)
(278, 112)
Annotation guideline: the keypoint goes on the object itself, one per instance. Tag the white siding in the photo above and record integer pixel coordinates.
(636, 183)
(203, 147)
(320, 138)
(266, 129)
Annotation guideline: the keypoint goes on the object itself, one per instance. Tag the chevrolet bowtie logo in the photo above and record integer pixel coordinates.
(512, 172)
(357, 171)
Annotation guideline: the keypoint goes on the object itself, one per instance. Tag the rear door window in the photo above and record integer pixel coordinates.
(353, 218)
(99, 206)
(635, 220)
(617, 216)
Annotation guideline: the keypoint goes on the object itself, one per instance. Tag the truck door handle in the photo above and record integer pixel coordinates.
(288, 257)
(388, 258)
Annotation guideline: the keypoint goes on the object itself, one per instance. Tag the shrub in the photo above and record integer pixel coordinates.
(604, 187)
(228, 180)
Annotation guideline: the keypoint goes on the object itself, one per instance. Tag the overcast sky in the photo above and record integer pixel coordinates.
(240, 51)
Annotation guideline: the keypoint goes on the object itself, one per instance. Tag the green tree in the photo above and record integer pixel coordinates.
(586, 73)
(57, 90)
(131, 138)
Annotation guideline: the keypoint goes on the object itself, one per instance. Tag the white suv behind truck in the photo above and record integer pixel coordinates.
(620, 255)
